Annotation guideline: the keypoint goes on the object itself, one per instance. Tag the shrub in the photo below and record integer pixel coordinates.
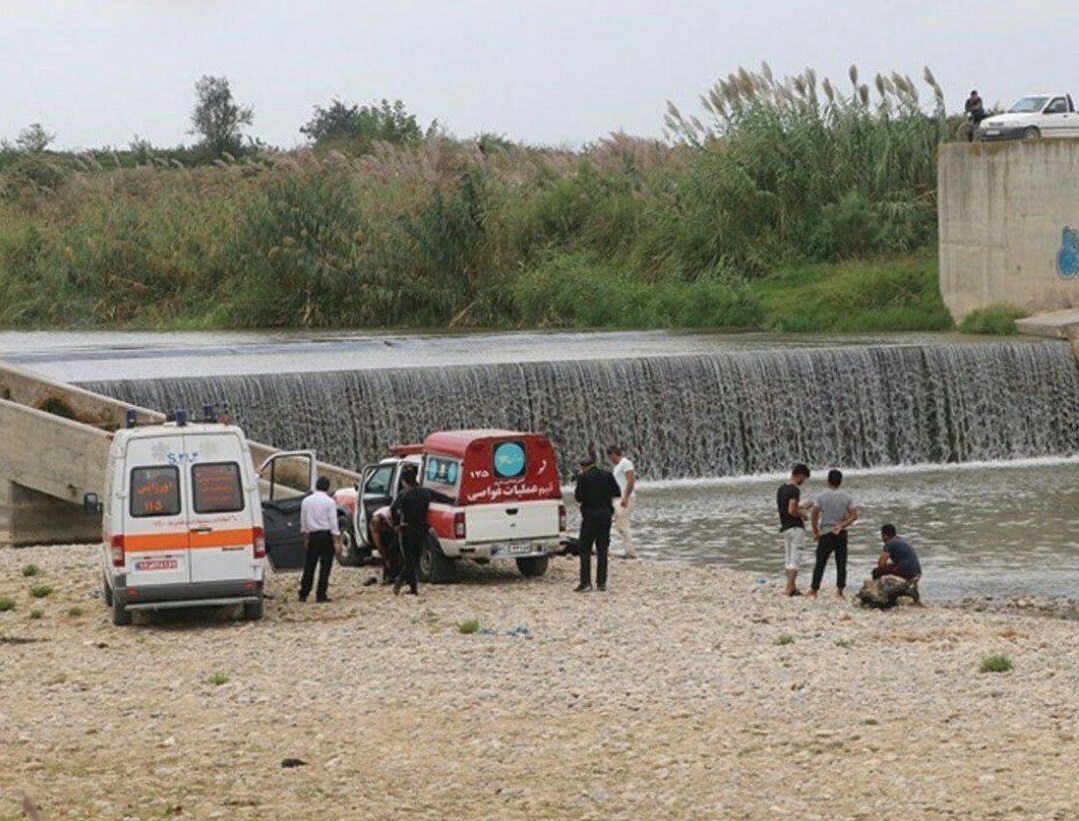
(995, 664)
(785, 639)
(31, 570)
(6, 603)
(40, 591)
(468, 626)
(218, 679)
(37, 613)
(74, 612)
(998, 319)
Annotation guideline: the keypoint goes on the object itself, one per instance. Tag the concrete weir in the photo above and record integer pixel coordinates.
(54, 445)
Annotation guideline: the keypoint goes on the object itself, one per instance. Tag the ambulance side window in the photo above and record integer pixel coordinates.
(378, 484)
(155, 491)
(216, 487)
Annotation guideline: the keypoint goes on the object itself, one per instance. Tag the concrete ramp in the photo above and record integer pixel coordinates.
(54, 445)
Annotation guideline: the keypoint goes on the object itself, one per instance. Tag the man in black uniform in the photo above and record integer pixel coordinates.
(410, 511)
(595, 490)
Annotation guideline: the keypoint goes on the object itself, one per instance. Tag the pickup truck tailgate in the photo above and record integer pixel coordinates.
(511, 522)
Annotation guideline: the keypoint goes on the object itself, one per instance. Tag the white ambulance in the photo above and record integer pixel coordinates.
(182, 520)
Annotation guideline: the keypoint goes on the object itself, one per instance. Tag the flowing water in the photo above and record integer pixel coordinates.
(940, 431)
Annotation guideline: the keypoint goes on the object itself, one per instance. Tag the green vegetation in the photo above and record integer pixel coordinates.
(29, 570)
(998, 319)
(218, 679)
(40, 591)
(468, 626)
(6, 603)
(37, 613)
(74, 612)
(995, 664)
(785, 639)
(786, 204)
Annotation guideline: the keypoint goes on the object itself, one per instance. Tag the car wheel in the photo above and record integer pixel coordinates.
(349, 555)
(120, 614)
(435, 567)
(106, 591)
(253, 610)
(1031, 133)
(533, 565)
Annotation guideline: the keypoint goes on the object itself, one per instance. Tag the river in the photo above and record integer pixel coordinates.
(971, 447)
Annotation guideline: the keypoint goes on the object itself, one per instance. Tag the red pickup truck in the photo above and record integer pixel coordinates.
(497, 496)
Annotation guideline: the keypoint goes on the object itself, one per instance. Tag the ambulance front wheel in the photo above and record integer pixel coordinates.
(532, 565)
(121, 616)
(253, 610)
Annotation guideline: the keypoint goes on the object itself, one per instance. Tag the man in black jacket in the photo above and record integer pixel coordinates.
(595, 490)
(410, 511)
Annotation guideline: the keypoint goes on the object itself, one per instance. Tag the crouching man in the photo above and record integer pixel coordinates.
(897, 558)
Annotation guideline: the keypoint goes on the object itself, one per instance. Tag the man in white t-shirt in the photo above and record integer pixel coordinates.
(626, 477)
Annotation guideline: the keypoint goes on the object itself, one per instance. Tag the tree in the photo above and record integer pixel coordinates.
(217, 117)
(33, 139)
(357, 128)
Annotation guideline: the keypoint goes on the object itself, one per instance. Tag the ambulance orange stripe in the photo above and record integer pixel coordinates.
(150, 542)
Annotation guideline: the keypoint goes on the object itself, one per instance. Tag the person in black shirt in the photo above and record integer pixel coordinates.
(792, 525)
(595, 491)
(409, 510)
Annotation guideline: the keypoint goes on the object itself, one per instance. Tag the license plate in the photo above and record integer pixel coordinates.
(512, 550)
(993, 133)
(156, 564)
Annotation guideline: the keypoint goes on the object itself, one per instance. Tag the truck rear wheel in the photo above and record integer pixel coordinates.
(253, 610)
(533, 565)
(120, 615)
(349, 555)
(435, 567)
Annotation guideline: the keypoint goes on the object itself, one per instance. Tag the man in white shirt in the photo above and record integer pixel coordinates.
(626, 477)
(321, 537)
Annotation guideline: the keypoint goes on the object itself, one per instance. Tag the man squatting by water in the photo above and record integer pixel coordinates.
(833, 513)
(626, 476)
(791, 524)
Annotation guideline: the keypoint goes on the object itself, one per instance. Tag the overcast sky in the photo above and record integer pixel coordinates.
(98, 72)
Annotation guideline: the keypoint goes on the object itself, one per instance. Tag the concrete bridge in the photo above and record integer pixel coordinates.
(54, 445)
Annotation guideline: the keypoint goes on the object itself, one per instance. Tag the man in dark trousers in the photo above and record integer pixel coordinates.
(410, 511)
(595, 491)
(321, 536)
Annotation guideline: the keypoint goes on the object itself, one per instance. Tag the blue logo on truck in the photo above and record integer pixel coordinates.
(509, 460)
(1068, 256)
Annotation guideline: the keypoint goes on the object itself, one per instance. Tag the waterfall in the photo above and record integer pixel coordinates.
(720, 414)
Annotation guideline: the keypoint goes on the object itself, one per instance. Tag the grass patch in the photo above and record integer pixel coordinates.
(893, 294)
(995, 663)
(844, 643)
(74, 612)
(6, 603)
(468, 626)
(996, 320)
(785, 639)
(29, 570)
(37, 613)
(218, 679)
(40, 591)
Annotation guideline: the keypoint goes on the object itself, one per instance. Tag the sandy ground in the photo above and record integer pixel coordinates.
(683, 692)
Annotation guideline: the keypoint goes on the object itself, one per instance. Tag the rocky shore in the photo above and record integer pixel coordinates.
(682, 692)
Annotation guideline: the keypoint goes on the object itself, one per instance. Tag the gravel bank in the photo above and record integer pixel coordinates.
(683, 692)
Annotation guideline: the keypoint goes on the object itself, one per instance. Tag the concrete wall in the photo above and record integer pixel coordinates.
(47, 462)
(1009, 225)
